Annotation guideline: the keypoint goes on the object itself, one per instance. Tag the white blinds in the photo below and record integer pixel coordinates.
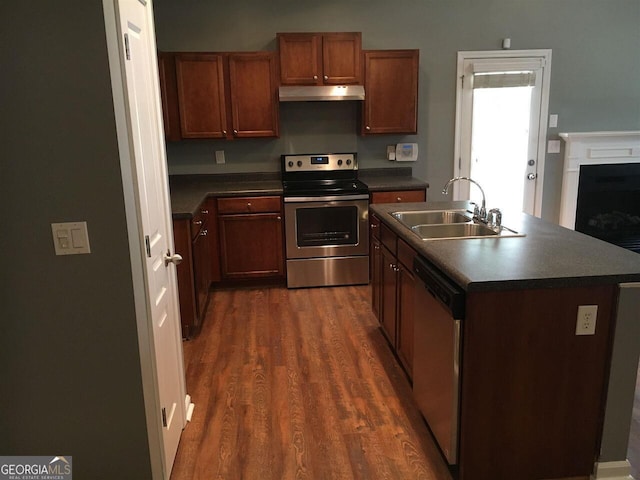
(504, 79)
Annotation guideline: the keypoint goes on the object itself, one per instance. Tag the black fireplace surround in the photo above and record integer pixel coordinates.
(608, 205)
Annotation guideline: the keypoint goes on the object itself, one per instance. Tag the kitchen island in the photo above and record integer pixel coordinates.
(536, 401)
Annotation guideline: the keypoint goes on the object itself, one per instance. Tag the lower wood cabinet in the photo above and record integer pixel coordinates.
(392, 289)
(193, 239)
(251, 237)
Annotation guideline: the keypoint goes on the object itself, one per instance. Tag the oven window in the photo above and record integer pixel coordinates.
(326, 226)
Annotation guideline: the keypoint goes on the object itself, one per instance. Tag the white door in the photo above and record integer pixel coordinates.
(147, 144)
(501, 126)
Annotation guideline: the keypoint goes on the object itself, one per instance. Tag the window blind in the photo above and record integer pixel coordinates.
(505, 79)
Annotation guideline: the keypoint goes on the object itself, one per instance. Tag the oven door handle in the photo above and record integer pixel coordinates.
(328, 198)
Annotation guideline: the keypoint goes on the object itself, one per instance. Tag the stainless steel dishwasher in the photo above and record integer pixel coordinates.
(439, 309)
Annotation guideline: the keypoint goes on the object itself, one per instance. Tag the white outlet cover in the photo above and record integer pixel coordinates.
(70, 238)
(586, 321)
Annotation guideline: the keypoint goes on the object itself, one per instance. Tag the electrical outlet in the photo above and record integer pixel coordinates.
(219, 157)
(586, 322)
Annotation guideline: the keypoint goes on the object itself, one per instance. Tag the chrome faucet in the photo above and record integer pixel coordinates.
(478, 214)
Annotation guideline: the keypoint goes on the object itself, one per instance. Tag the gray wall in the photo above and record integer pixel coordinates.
(71, 381)
(595, 82)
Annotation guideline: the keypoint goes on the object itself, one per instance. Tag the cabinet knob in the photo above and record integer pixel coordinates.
(224, 132)
(204, 232)
(326, 77)
(235, 132)
(204, 212)
(376, 247)
(373, 225)
(248, 204)
(367, 128)
(315, 77)
(197, 222)
(398, 199)
(278, 217)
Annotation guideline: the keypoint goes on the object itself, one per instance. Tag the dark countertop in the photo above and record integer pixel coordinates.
(189, 191)
(548, 256)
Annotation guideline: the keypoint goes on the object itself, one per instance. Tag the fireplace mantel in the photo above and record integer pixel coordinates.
(592, 148)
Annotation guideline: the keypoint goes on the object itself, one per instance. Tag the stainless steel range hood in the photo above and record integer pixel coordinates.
(321, 93)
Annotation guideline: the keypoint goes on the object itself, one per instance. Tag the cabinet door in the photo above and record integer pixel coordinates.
(391, 85)
(184, 272)
(254, 90)
(201, 95)
(202, 272)
(406, 289)
(376, 276)
(169, 96)
(389, 287)
(341, 58)
(251, 246)
(401, 196)
(300, 58)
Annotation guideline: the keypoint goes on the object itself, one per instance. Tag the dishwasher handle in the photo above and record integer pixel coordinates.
(450, 295)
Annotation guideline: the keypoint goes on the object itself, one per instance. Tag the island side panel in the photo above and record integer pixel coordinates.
(533, 392)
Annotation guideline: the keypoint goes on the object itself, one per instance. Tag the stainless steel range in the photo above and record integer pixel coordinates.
(326, 220)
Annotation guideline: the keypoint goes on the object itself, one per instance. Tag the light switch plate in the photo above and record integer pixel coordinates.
(553, 120)
(70, 238)
(553, 146)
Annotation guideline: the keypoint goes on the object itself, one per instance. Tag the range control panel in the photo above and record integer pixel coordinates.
(319, 162)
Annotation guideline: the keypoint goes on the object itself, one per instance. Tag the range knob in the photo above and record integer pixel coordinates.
(290, 164)
(299, 163)
(348, 162)
(339, 162)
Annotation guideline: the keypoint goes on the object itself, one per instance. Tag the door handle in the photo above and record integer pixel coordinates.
(532, 176)
(176, 259)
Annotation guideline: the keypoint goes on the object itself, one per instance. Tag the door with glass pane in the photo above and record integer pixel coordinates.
(501, 125)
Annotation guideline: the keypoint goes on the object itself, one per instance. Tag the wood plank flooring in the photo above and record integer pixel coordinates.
(299, 384)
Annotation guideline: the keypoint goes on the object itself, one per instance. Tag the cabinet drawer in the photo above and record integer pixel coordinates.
(249, 205)
(400, 196)
(389, 238)
(406, 254)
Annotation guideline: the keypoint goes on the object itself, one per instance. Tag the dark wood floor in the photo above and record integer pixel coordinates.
(301, 384)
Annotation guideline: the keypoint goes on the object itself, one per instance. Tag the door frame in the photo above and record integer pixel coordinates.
(499, 55)
(135, 235)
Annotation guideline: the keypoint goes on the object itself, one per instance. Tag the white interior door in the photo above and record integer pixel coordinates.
(501, 125)
(147, 145)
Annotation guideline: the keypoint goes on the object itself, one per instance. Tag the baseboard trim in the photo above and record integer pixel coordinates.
(612, 471)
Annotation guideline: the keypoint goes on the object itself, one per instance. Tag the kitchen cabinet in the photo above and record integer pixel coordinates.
(251, 237)
(391, 86)
(226, 95)
(169, 96)
(392, 289)
(398, 196)
(320, 58)
(192, 239)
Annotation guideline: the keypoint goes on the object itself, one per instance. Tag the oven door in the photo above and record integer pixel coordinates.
(319, 227)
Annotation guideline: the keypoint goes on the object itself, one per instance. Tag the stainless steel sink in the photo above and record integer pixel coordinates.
(453, 230)
(432, 217)
(449, 224)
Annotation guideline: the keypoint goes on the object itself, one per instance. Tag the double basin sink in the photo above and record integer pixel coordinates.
(449, 224)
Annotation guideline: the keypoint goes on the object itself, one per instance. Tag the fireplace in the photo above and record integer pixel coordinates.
(608, 204)
(601, 186)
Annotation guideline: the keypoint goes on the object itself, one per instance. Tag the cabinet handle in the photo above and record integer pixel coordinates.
(197, 222)
(373, 225)
(367, 128)
(326, 77)
(376, 247)
(399, 199)
(278, 217)
(204, 233)
(315, 77)
(204, 212)
(224, 132)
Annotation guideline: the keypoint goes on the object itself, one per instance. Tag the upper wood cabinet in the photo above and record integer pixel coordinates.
(223, 95)
(391, 92)
(254, 90)
(201, 95)
(320, 58)
(169, 96)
